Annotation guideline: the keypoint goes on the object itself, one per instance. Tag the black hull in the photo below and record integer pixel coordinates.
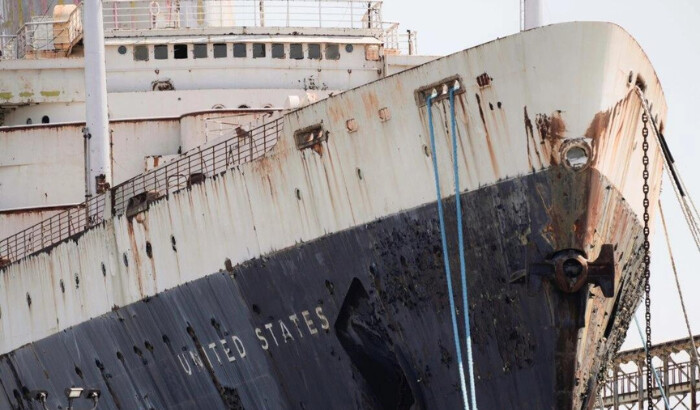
(357, 319)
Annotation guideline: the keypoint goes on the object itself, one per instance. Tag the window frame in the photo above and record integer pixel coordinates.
(183, 56)
(264, 50)
(141, 47)
(160, 46)
(243, 46)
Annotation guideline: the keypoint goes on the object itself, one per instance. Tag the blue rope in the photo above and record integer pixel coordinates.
(462, 263)
(656, 375)
(445, 256)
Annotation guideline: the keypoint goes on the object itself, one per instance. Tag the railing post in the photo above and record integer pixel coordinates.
(640, 386)
(616, 399)
(693, 385)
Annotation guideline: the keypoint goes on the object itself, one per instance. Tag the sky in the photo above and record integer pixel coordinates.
(669, 32)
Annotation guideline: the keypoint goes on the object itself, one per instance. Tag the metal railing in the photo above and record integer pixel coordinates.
(53, 230)
(43, 34)
(397, 42)
(168, 14)
(678, 374)
(193, 168)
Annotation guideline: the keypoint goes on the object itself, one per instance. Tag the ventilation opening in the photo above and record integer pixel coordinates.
(370, 350)
(310, 136)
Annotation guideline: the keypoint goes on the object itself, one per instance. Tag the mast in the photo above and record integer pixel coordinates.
(532, 14)
(98, 164)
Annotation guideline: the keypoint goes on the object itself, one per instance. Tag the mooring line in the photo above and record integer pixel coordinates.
(460, 235)
(445, 256)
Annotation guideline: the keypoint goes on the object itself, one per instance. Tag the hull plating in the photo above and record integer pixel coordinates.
(356, 319)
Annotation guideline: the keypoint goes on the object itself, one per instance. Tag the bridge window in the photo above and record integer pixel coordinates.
(200, 51)
(220, 50)
(141, 53)
(278, 51)
(160, 52)
(239, 50)
(258, 50)
(315, 51)
(45, 119)
(296, 52)
(332, 52)
(180, 51)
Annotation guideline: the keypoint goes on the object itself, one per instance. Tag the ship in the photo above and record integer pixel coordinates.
(222, 205)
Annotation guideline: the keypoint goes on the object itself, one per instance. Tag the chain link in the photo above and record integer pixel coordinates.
(647, 258)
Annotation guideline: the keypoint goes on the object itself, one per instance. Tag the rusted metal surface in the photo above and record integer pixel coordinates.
(158, 183)
(319, 195)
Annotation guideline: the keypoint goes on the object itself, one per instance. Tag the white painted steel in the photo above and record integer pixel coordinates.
(533, 14)
(575, 70)
(98, 163)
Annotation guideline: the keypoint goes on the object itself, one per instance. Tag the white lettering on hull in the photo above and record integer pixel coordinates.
(229, 350)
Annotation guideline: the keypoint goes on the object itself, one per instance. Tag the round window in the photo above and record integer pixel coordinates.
(121, 50)
(348, 48)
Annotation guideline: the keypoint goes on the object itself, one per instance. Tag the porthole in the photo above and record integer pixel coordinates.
(121, 50)
(348, 48)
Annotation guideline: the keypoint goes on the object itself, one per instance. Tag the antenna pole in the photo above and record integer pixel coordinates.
(532, 14)
(98, 168)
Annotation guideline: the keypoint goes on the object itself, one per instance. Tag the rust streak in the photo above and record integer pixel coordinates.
(492, 153)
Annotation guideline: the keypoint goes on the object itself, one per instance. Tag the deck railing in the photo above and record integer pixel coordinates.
(135, 194)
(43, 34)
(120, 15)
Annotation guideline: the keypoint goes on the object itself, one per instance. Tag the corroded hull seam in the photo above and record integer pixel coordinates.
(359, 319)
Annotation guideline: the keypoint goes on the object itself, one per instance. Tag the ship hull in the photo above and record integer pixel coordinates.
(355, 319)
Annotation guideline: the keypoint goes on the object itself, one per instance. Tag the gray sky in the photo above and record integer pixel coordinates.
(669, 32)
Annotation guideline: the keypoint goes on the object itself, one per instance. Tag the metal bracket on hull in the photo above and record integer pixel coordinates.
(570, 270)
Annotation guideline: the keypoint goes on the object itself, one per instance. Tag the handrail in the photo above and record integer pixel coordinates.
(41, 35)
(187, 171)
(121, 15)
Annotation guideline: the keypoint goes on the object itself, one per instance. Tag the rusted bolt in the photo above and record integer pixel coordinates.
(104, 270)
(173, 243)
(359, 173)
(29, 300)
(126, 259)
(149, 250)
(298, 193)
(351, 125)
(63, 287)
(426, 151)
(384, 114)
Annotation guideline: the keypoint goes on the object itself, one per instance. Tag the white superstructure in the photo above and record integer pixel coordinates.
(179, 74)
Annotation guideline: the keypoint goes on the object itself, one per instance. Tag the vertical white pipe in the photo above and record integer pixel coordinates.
(99, 164)
(533, 11)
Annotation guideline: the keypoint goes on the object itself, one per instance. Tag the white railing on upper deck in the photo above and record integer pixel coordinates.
(398, 42)
(43, 34)
(121, 15)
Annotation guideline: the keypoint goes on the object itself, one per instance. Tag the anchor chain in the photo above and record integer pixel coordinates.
(647, 258)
